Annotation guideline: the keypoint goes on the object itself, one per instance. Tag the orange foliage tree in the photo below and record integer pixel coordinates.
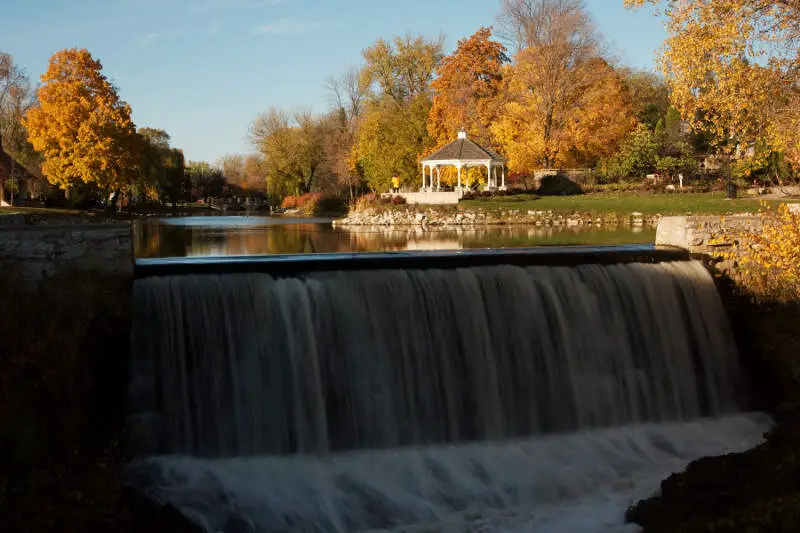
(82, 129)
(467, 89)
(565, 105)
(576, 120)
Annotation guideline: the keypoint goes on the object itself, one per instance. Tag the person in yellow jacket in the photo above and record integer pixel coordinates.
(395, 183)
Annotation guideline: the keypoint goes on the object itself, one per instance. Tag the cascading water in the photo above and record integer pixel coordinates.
(347, 401)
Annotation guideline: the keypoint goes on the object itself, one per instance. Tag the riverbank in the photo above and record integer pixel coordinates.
(452, 216)
(597, 209)
(63, 383)
(757, 490)
(40, 216)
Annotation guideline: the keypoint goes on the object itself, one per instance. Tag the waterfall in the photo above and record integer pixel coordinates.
(344, 401)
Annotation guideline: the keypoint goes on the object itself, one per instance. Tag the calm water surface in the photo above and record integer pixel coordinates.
(242, 235)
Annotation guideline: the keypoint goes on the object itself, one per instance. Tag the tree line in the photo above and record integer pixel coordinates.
(544, 91)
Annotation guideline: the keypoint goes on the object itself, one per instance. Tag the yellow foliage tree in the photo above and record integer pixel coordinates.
(733, 68)
(390, 141)
(392, 132)
(81, 127)
(578, 119)
(768, 261)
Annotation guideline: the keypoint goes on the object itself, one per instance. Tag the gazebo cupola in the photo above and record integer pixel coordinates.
(463, 153)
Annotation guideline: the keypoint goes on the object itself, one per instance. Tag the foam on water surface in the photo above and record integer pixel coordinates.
(484, 399)
(577, 483)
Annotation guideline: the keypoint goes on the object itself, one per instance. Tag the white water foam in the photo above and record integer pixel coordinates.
(576, 483)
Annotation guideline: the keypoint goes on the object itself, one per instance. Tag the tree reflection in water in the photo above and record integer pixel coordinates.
(222, 236)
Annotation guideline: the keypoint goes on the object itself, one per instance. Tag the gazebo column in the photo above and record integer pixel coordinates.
(503, 186)
(459, 175)
(488, 186)
(422, 189)
(438, 178)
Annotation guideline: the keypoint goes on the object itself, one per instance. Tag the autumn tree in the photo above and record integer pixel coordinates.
(348, 93)
(81, 127)
(16, 98)
(292, 146)
(162, 168)
(403, 69)
(565, 104)
(232, 166)
(602, 117)
(391, 140)
(733, 68)
(636, 157)
(253, 173)
(467, 89)
(392, 135)
(244, 172)
(649, 96)
(544, 23)
(205, 180)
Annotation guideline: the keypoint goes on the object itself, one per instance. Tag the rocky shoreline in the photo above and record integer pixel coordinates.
(759, 489)
(443, 216)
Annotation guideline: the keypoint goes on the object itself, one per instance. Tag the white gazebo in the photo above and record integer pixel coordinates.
(463, 153)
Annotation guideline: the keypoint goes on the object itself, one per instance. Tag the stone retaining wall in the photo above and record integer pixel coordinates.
(39, 250)
(12, 219)
(705, 234)
(710, 236)
(432, 216)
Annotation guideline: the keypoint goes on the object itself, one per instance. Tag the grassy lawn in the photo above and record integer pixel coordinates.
(44, 211)
(665, 204)
(187, 209)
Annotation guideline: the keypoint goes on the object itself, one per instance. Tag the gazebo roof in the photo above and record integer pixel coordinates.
(463, 149)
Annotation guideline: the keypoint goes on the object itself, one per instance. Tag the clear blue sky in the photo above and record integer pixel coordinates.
(203, 69)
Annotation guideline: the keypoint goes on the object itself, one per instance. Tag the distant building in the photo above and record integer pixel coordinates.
(17, 183)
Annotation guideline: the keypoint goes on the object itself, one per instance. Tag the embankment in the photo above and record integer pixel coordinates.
(453, 216)
(64, 339)
(758, 490)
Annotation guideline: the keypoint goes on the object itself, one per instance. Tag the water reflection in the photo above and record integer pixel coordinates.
(218, 236)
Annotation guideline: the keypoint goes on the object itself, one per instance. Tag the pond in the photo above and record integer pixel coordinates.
(241, 235)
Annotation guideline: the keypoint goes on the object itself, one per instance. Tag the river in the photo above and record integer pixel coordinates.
(243, 235)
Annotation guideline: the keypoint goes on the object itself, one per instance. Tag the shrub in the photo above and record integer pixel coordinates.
(308, 199)
(768, 262)
(325, 205)
(372, 200)
(290, 202)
